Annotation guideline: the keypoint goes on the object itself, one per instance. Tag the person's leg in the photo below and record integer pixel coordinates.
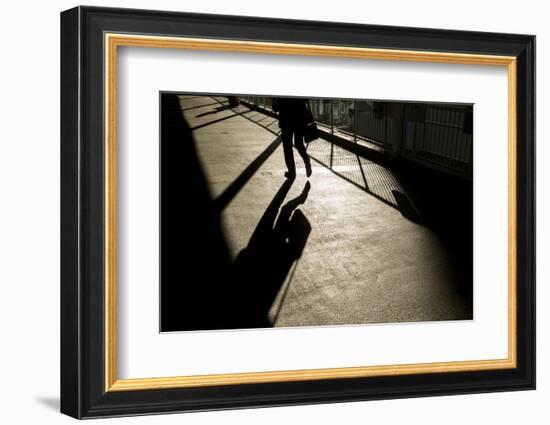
(299, 143)
(286, 137)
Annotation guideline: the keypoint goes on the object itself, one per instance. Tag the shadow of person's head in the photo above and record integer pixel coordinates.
(298, 232)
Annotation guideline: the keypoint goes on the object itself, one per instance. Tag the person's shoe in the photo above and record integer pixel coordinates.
(290, 175)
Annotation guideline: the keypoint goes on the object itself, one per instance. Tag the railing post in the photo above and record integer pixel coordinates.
(355, 121)
(331, 117)
(396, 112)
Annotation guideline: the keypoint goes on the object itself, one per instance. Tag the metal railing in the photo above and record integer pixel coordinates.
(436, 135)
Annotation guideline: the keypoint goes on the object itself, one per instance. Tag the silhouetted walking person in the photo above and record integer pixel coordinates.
(294, 115)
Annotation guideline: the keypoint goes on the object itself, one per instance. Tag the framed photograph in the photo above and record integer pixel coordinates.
(261, 212)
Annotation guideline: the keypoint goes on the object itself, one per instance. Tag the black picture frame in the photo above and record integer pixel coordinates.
(83, 393)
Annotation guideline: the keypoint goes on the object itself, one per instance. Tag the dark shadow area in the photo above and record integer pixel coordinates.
(215, 110)
(405, 206)
(445, 203)
(246, 115)
(194, 256)
(233, 189)
(201, 288)
(206, 124)
(198, 106)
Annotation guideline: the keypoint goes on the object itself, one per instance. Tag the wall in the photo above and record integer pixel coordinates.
(29, 217)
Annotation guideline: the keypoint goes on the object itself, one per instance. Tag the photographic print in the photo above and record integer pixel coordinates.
(293, 211)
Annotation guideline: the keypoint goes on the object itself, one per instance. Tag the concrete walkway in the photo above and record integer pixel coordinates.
(364, 260)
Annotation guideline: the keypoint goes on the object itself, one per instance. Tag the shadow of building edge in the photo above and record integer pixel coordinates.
(200, 287)
(193, 251)
(233, 189)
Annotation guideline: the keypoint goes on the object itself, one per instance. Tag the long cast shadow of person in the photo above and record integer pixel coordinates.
(261, 268)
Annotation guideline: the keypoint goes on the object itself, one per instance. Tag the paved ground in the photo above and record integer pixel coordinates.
(363, 259)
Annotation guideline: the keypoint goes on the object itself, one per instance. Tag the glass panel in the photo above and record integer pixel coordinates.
(371, 123)
(320, 108)
(343, 115)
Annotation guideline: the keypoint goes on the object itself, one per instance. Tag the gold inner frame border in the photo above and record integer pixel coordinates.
(111, 43)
